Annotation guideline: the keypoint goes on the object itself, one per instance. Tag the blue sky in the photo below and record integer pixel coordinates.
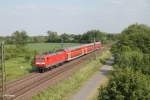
(71, 16)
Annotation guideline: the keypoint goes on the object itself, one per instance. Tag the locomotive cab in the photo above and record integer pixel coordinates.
(40, 61)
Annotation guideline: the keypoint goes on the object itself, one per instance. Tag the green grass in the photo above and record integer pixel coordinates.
(18, 67)
(42, 47)
(65, 88)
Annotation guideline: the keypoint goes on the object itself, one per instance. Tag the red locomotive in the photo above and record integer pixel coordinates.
(49, 60)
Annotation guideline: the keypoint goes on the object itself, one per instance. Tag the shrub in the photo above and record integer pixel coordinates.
(133, 48)
(126, 84)
(135, 60)
(11, 52)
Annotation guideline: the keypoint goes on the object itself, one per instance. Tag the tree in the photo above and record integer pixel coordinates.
(90, 35)
(133, 48)
(130, 79)
(77, 38)
(53, 37)
(2, 38)
(137, 36)
(19, 38)
(126, 84)
(65, 37)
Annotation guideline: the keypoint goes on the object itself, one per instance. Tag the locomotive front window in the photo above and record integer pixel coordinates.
(41, 59)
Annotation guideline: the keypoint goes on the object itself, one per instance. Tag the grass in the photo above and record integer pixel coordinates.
(64, 89)
(18, 67)
(43, 47)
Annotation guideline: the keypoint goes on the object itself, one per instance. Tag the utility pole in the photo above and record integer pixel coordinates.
(62, 44)
(94, 45)
(2, 72)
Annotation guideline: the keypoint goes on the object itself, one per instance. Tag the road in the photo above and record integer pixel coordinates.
(94, 82)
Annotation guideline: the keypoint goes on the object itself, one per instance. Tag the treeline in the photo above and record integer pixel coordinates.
(130, 79)
(22, 37)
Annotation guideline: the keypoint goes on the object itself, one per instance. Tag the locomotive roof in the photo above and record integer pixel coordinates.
(49, 53)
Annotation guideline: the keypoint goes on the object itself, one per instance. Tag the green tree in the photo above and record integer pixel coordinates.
(19, 38)
(126, 84)
(133, 48)
(137, 36)
(77, 38)
(65, 37)
(90, 35)
(52, 36)
(130, 79)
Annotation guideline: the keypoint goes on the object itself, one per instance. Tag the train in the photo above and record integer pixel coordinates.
(50, 60)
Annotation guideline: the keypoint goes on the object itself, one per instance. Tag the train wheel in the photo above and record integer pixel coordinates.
(41, 70)
(38, 70)
(44, 70)
(49, 68)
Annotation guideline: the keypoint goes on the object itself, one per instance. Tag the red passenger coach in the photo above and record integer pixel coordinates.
(74, 52)
(49, 60)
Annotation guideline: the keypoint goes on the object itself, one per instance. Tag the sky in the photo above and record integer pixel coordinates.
(71, 16)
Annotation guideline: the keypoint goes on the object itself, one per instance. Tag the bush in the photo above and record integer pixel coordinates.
(132, 56)
(130, 59)
(133, 48)
(14, 52)
(11, 52)
(126, 84)
(133, 59)
(27, 57)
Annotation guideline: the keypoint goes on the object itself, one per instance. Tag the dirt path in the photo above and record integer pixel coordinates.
(93, 83)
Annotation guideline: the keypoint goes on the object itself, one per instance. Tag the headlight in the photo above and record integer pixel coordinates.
(40, 63)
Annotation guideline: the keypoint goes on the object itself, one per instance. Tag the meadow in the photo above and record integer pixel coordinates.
(44, 47)
(18, 67)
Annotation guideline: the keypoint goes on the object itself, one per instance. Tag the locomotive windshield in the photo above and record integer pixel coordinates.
(41, 59)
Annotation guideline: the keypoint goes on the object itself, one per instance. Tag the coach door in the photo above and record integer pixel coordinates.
(69, 56)
(86, 51)
(82, 51)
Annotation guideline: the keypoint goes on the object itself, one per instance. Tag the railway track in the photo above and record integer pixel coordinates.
(23, 88)
(38, 83)
(21, 80)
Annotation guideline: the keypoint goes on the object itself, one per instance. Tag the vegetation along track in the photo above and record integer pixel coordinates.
(23, 88)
